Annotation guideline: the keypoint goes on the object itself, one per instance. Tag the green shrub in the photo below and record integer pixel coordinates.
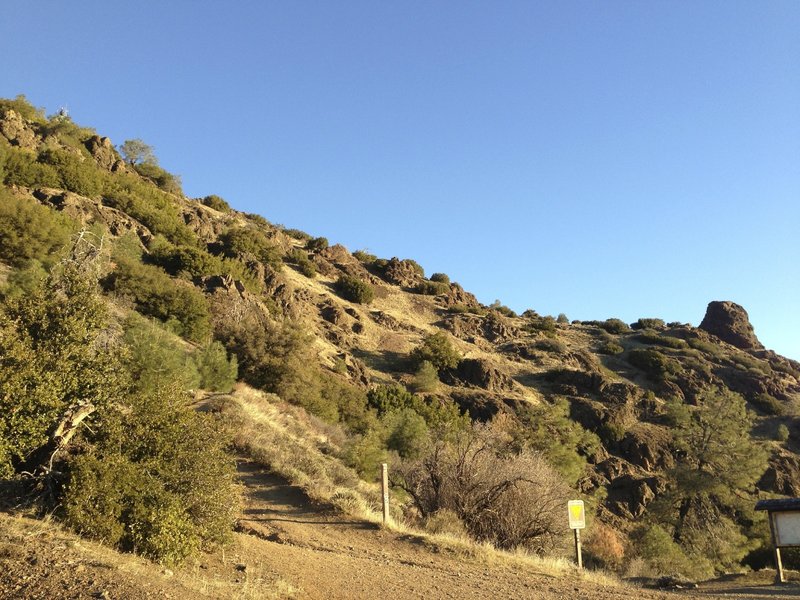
(249, 242)
(615, 326)
(437, 350)
(610, 347)
(545, 324)
(216, 202)
(426, 378)
(562, 318)
(664, 557)
(548, 345)
(156, 359)
(388, 398)
(29, 231)
(656, 365)
(217, 371)
(163, 179)
(649, 324)
(317, 244)
(23, 107)
(651, 337)
(768, 404)
(407, 432)
(432, 288)
(364, 256)
(303, 262)
(354, 289)
(782, 433)
(83, 177)
(503, 309)
(157, 480)
(440, 278)
(157, 295)
(22, 168)
(148, 204)
(710, 348)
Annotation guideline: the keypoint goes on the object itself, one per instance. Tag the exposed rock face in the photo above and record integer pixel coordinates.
(102, 150)
(783, 474)
(401, 272)
(479, 372)
(730, 323)
(16, 130)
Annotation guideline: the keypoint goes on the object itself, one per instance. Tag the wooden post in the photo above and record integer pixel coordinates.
(578, 555)
(385, 489)
(779, 576)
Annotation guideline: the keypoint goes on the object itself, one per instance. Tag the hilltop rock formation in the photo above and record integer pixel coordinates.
(730, 323)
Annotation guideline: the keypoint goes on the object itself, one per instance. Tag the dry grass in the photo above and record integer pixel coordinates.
(289, 442)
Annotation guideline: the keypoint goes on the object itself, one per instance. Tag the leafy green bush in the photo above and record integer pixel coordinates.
(23, 107)
(657, 366)
(440, 278)
(249, 243)
(216, 202)
(156, 294)
(354, 289)
(562, 319)
(782, 433)
(156, 480)
(81, 176)
(545, 324)
(437, 350)
(432, 288)
(364, 256)
(22, 168)
(503, 309)
(616, 326)
(768, 404)
(29, 231)
(317, 244)
(304, 264)
(148, 204)
(218, 372)
(651, 337)
(164, 180)
(426, 378)
(649, 324)
(610, 347)
(51, 360)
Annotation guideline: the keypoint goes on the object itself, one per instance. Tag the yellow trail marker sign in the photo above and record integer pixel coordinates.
(577, 514)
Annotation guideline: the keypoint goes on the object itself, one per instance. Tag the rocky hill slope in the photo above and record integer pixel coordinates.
(615, 380)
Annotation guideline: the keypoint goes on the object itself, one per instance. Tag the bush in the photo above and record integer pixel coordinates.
(657, 366)
(217, 371)
(157, 480)
(509, 499)
(440, 278)
(605, 547)
(364, 257)
(651, 337)
(354, 289)
(29, 231)
(649, 324)
(768, 404)
(83, 177)
(426, 378)
(23, 107)
(317, 244)
(304, 264)
(562, 318)
(554, 346)
(664, 557)
(216, 202)
(503, 309)
(616, 326)
(432, 288)
(544, 324)
(22, 168)
(163, 179)
(610, 347)
(782, 433)
(438, 351)
(155, 294)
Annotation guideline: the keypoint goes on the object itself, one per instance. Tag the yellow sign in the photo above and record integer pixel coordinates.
(577, 514)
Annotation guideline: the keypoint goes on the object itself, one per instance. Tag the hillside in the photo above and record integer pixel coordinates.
(382, 356)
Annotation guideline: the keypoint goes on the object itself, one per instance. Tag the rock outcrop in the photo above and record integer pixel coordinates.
(730, 323)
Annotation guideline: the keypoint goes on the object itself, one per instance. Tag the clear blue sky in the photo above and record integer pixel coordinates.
(601, 159)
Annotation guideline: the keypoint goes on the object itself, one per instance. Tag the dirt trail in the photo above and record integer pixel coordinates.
(326, 555)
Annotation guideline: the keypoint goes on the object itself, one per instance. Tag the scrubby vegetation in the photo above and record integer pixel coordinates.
(95, 417)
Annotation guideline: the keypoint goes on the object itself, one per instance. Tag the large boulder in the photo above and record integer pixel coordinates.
(404, 273)
(17, 131)
(730, 323)
(103, 152)
(479, 372)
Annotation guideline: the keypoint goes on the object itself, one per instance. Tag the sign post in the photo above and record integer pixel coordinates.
(784, 525)
(385, 490)
(577, 521)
